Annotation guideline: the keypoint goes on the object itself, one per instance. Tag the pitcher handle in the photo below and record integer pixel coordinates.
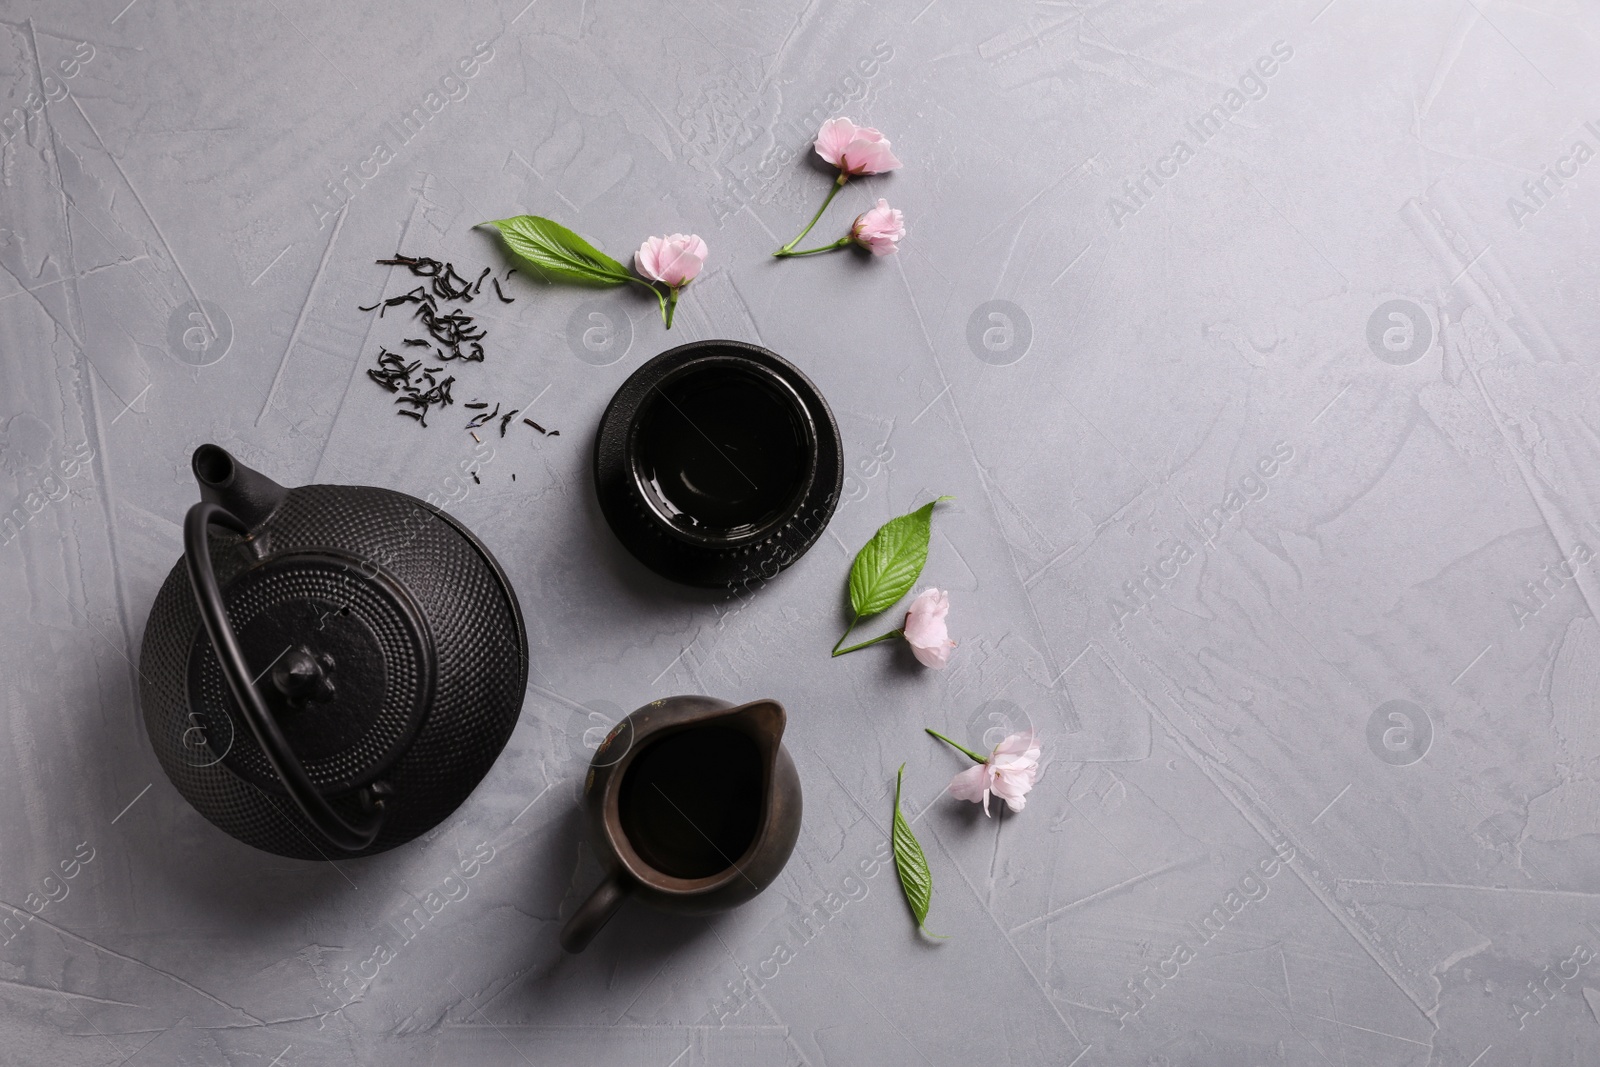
(595, 912)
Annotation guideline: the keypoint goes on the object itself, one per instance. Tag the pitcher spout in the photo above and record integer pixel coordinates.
(249, 495)
(764, 720)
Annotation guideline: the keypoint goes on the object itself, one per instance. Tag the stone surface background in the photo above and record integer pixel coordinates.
(1371, 274)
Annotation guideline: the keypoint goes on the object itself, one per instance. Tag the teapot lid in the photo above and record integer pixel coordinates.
(348, 669)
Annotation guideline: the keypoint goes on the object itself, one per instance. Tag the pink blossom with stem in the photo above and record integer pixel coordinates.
(674, 261)
(855, 150)
(1008, 772)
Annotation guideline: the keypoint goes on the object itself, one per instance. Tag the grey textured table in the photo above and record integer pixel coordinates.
(1250, 338)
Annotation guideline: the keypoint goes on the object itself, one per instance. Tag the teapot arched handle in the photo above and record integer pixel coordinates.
(335, 828)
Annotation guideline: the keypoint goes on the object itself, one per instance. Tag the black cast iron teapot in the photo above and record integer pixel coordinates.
(338, 673)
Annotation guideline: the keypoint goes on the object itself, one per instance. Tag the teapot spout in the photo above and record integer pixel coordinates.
(249, 495)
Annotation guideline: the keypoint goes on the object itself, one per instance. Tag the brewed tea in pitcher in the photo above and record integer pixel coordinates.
(691, 802)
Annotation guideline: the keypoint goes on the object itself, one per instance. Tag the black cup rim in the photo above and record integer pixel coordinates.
(735, 365)
(715, 561)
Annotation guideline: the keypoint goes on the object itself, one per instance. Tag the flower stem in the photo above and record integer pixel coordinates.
(840, 243)
(669, 307)
(837, 185)
(666, 316)
(959, 746)
(846, 634)
(890, 636)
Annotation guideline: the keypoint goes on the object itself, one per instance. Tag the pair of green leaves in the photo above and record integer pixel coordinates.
(916, 880)
(887, 567)
(883, 572)
(558, 254)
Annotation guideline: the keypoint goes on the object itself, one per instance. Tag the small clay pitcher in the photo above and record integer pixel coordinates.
(693, 807)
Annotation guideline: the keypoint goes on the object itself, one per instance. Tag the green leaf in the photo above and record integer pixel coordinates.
(558, 253)
(916, 881)
(889, 565)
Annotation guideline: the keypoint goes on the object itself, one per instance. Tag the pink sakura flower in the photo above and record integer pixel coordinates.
(855, 149)
(880, 229)
(673, 260)
(925, 628)
(1008, 773)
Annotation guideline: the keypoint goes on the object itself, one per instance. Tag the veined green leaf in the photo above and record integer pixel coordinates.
(916, 881)
(558, 253)
(890, 564)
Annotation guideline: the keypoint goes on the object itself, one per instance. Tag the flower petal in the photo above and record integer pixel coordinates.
(925, 623)
(648, 259)
(971, 783)
(833, 137)
(1024, 745)
(674, 260)
(1010, 783)
(1015, 767)
(671, 256)
(925, 629)
(863, 156)
(879, 229)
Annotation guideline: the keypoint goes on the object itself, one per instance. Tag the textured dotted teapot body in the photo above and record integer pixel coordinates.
(335, 673)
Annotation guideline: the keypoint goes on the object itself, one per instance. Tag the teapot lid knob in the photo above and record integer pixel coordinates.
(304, 677)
